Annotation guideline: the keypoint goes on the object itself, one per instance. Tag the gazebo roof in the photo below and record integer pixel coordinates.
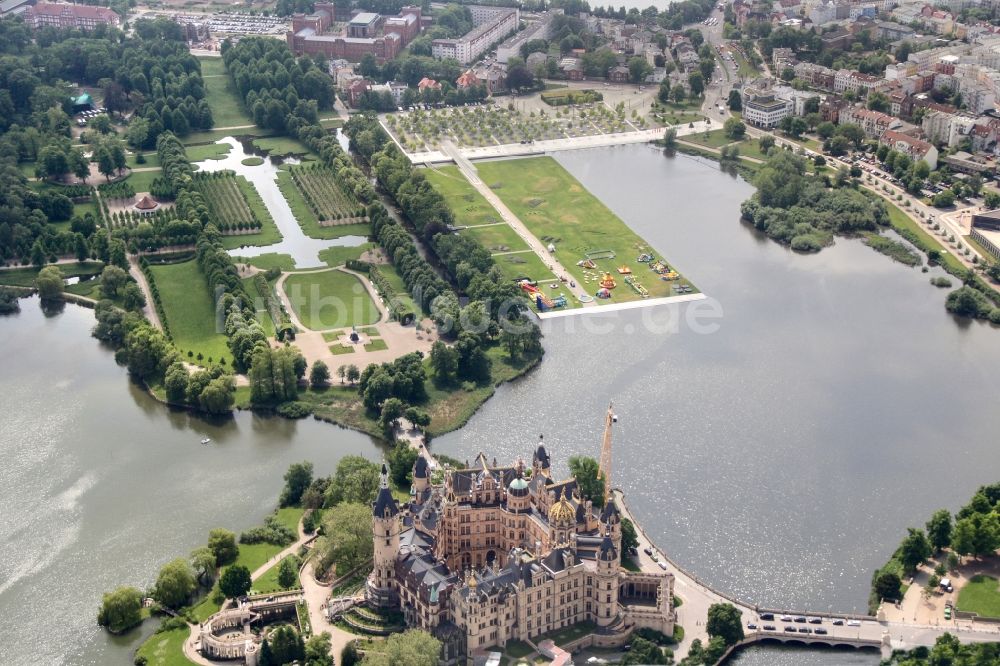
(146, 203)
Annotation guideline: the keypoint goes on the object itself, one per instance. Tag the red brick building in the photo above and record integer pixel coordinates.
(382, 37)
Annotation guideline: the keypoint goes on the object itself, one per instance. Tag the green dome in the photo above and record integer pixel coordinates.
(518, 484)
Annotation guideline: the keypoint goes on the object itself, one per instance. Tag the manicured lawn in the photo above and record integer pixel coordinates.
(166, 648)
(81, 209)
(210, 136)
(338, 255)
(339, 349)
(151, 156)
(497, 238)
(227, 107)
(190, 310)
(330, 299)
(25, 277)
(556, 208)
(523, 264)
(140, 181)
(277, 260)
(211, 66)
(376, 344)
(980, 595)
(330, 123)
(208, 151)
(263, 316)
(269, 581)
(307, 219)
(713, 139)
(282, 145)
(468, 205)
(402, 296)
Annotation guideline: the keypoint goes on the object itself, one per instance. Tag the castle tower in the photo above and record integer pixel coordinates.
(606, 582)
(385, 535)
(562, 521)
(421, 475)
(540, 463)
(611, 521)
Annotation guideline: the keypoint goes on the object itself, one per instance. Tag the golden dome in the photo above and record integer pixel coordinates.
(562, 512)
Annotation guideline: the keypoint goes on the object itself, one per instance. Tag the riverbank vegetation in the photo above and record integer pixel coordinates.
(947, 650)
(973, 531)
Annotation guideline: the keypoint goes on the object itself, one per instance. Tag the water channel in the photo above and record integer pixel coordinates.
(303, 249)
(779, 457)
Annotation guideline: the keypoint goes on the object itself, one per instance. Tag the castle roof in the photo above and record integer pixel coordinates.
(420, 468)
(607, 552)
(541, 455)
(610, 513)
(562, 512)
(385, 504)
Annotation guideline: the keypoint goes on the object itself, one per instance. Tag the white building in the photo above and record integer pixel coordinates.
(492, 24)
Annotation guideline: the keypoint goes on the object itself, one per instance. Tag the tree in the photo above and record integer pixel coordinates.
(417, 417)
(825, 129)
(235, 581)
(766, 142)
(444, 362)
(266, 654)
(887, 585)
(939, 529)
(318, 650)
(175, 583)
(725, 620)
(734, 128)
(944, 199)
(878, 102)
(297, 479)
(392, 409)
(105, 162)
(319, 375)
(414, 647)
(175, 381)
(288, 572)
(223, 544)
(638, 69)
(679, 94)
(287, 645)
(697, 83)
(992, 200)
(203, 563)
(644, 652)
(353, 374)
(401, 459)
(735, 100)
(586, 471)
(355, 480)
(630, 538)
(839, 145)
(49, 283)
(113, 278)
(347, 537)
(342, 373)
(914, 549)
(120, 610)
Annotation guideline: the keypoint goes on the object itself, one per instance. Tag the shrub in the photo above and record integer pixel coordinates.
(294, 409)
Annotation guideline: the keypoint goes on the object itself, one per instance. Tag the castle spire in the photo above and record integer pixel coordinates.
(605, 465)
(384, 481)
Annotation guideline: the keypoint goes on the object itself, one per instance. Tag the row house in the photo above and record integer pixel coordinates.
(916, 149)
(918, 83)
(873, 123)
(944, 128)
(846, 79)
(816, 75)
(986, 136)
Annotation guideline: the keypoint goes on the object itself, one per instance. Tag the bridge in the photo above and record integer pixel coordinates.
(794, 627)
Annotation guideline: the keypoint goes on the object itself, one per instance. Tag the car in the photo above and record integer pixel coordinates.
(663, 565)
(838, 623)
(800, 619)
(786, 618)
(820, 631)
(648, 551)
(791, 630)
(947, 612)
(854, 623)
(815, 620)
(805, 630)
(751, 625)
(767, 616)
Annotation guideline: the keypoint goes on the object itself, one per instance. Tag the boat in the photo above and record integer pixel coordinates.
(207, 440)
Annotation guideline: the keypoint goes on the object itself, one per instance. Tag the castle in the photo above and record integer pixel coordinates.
(489, 554)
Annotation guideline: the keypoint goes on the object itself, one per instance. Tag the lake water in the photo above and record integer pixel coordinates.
(303, 249)
(780, 457)
(102, 484)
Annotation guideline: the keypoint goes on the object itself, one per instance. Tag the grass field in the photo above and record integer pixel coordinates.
(166, 648)
(713, 139)
(269, 581)
(227, 107)
(980, 595)
(151, 156)
(395, 280)
(282, 262)
(338, 255)
(190, 310)
(376, 344)
(140, 181)
(208, 151)
(468, 205)
(282, 145)
(523, 264)
(210, 136)
(556, 208)
(497, 238)
(330, 299)
(81, 209)
(263, 316)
